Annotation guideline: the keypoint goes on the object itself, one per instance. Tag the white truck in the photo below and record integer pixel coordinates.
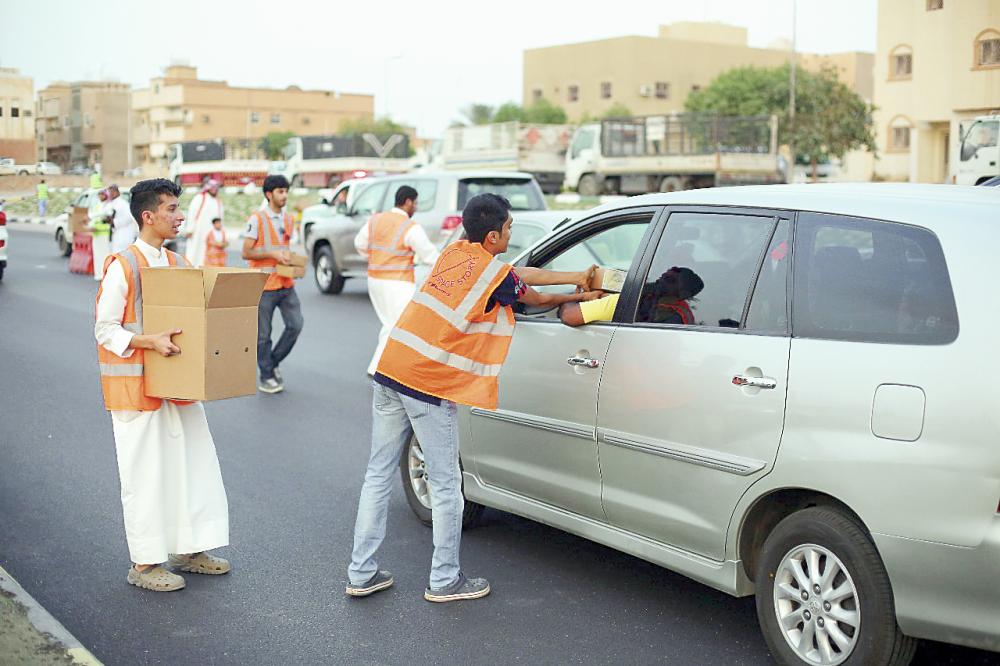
(191, 162)
(9, 168)
(978, 151)
(512, 146)
(672, 152)
(327, 160)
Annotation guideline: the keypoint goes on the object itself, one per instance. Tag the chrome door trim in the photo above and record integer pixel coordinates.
(711, 459)
(537, 422)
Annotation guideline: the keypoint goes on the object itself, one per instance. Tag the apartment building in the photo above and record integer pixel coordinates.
(85, 123)
(17, 124)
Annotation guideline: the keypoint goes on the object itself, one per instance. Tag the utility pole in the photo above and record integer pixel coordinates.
(791, 102)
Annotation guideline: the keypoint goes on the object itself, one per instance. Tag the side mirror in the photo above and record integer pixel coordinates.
(341, 209)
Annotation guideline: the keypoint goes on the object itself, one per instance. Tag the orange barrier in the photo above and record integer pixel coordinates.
(82, 259)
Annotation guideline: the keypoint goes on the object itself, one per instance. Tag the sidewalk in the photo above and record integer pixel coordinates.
(32, 637)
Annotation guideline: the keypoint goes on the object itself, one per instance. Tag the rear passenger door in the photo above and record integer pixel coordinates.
(690, 414)
(369, 201)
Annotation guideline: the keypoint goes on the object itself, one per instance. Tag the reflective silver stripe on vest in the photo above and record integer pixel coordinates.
(439, 355)
(263, 218)
(121, 370)
(459, 316)
(133, 263)
(391, 267)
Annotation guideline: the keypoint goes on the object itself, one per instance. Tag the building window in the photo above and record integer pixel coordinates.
(254, 117)
(206, 119)
(662, 90)
(1, 112)
(899, 135)
(536, 95)
(900, 63)
(305, 120)
(275, 118)
(934, 4)
(27, 113)
(573, 93)
(987, 49)
(15, 112)
(605, 89)
(695, 88)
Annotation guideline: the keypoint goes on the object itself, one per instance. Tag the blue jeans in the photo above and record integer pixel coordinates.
(286, 300)
(395, 418)
(42, 203)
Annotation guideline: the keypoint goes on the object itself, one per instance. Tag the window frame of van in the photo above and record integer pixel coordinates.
(629, 301)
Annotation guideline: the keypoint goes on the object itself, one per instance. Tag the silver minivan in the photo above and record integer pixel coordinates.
(822, 435)
(329, 229)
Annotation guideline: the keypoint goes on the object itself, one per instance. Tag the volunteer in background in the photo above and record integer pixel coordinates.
(96, 183)
(215, 245)
(43, 198)
(173, 500)
(393, 243)
(124, 229)
(204, 207)
(98, 205)
(446, 348)
(266, 239)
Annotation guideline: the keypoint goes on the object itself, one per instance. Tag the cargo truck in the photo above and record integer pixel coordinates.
(979, 150)
(512, 146)
(191, 162)
(327, 160)
(672, 152)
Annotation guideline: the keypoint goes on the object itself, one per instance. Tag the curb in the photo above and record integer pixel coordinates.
(45, 624)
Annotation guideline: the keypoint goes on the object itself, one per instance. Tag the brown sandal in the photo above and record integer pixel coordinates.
(156, 579)
(200, 563)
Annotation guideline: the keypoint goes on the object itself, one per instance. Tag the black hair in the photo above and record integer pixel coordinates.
(691, 283)
(484, 213)
(404, 194)
(146, 195)
(216, 219)
(271, 183)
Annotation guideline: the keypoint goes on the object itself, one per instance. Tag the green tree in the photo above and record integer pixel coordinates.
(507, 112)
(478, 114)
(274, 144)
(381, 127)
(544, 112)
(830, 118)
(617, 110)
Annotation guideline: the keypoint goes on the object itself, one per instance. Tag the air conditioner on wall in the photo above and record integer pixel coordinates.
(645, 91)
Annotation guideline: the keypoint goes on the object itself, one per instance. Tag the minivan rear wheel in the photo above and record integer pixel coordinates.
(823, 595)
(413, 472)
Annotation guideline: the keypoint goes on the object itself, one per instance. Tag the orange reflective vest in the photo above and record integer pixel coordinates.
(269, 240)
(389, 258)
(214, 255)
(446, 343)
(122, 378)
(679, 307)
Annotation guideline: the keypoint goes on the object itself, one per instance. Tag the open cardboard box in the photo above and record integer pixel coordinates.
(297, 269)
(216, 310)
(608, 279)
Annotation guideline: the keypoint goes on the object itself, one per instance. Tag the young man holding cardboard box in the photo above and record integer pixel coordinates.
(173, 500)
(446, 348)
(394, 244)
(265, 247)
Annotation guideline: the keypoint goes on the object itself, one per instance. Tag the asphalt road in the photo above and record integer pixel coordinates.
(293, 466)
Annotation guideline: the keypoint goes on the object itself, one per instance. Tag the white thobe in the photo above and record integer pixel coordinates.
(124, 229)
(203, 209)
(389, 297)
(173, 499)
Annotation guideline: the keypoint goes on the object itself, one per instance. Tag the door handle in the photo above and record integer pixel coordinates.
(583, 361)
(756, 382)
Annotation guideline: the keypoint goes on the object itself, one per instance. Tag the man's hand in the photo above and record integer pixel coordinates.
(283, 257)
(162, 343)
(584, 279)
(591, 295)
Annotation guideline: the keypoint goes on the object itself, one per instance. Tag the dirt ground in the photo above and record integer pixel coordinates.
(20, 643)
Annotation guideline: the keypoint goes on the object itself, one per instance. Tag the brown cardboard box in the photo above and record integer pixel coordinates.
(297, 269)
(609, 279)
(216, 310)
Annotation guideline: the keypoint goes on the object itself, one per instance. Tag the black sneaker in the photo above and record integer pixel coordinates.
(382, 580)
(463, 588)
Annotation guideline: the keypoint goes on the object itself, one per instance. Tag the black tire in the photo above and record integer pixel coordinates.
(470, 515)
(879, 639)
(1, 273)
(65, 247)
(328, 278)
(588, 186)
(22, 172)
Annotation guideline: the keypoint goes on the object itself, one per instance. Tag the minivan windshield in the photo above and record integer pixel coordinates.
(522, 193)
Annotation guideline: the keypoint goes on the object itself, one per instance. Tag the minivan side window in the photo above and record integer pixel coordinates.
(370, 200)
(703, 269)
(426, 193)
(865, 280)
(768, 313)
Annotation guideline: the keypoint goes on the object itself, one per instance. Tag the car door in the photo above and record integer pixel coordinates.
(370, 200)
(541, 441)
(691, 407)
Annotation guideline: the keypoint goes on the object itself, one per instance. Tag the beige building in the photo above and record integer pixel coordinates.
(17, 124)
(84, 123)
(937, 63)
(179, 106)
(651, 75)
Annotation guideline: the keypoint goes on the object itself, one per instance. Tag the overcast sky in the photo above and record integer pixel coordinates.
(452, 53)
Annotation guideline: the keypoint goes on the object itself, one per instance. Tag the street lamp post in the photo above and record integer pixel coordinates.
(791, 102)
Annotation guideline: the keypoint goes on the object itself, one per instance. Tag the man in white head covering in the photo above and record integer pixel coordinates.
(205, 207)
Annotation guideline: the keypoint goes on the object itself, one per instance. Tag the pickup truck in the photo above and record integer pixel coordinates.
(9, 168)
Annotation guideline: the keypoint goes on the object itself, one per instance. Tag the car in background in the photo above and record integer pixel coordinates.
(527, 228)
(76, 216)
(820, 433)
(329, 237)
(48, 169)
(8, 167)
(992, 182)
